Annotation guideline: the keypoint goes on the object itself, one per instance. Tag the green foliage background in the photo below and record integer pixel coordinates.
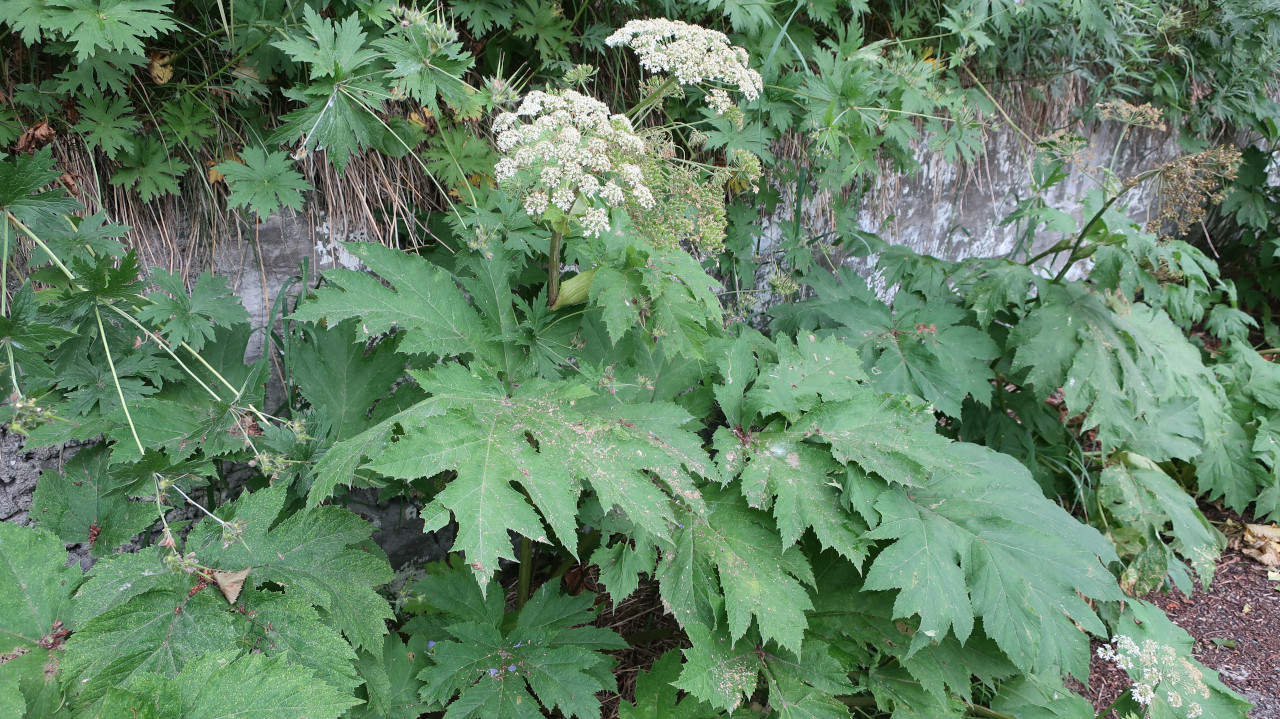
(916, 505)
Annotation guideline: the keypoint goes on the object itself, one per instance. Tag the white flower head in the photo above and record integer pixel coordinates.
(570, 153)
(1159, 668)
(692, 55)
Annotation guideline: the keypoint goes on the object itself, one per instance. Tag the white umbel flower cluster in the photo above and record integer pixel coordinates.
(571, 148)
(1160, 669)
(693, 55)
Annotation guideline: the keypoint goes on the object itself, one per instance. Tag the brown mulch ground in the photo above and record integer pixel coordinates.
(1241, 611)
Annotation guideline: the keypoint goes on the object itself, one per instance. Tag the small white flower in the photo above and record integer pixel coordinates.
(1193, 711)
(535, 203)
(595, 221)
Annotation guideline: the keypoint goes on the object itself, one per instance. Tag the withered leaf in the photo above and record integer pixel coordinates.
(230, 583)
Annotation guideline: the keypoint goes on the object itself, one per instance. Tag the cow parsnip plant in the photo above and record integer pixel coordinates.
(856, 510)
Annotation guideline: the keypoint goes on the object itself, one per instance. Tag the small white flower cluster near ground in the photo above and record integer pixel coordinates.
(1156, 667)
(572, 150)
(693, 55)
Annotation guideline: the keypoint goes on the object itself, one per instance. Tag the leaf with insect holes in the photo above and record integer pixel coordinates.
(81, 504)
(1139, 494)
(263, 182)
(778, 470)
(495, 674)
(319, 555)
(806, 373)
(190, 319)
(536, 437)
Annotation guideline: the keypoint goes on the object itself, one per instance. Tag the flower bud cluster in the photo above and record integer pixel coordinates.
(693, 55)
(1157, 667)
(572, 151)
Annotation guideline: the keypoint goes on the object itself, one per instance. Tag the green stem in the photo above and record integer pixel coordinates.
(526, 572)
(40, 243)
(553, 268)
(102, 334)
(640, 111)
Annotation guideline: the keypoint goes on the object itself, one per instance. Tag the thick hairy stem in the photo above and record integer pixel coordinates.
(553, 268)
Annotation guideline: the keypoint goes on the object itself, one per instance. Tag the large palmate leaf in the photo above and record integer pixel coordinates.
(779, 470)
(536, 437)
(917, 346)
(340, 378)
(979, 539)
(24, 340)
(155, 632)
(1126, 367)
(426, 61)
(111, 24)
(424, 302)
(319, 555)
(732, 556)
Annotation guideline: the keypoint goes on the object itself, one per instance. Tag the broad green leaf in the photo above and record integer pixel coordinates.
(190, 319)
(391, 679)
(216, 686)
(150, 169)
(807, 372)
(1040, 698)
(319, 555)
(779, 470)
(536, 438)
(340, 378)
(264, 182)
(111, 24)
(657, 697)
(893, 436)
(25, 340)
(491, 673)
(717, 670)
(107, 124)
(35, 586)
(732, 555)
(425, 303)
(156, 632)
(426, 59)
(22, 182)
(285, 624)
(980, 540)
(81, 504)
(116, 579)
